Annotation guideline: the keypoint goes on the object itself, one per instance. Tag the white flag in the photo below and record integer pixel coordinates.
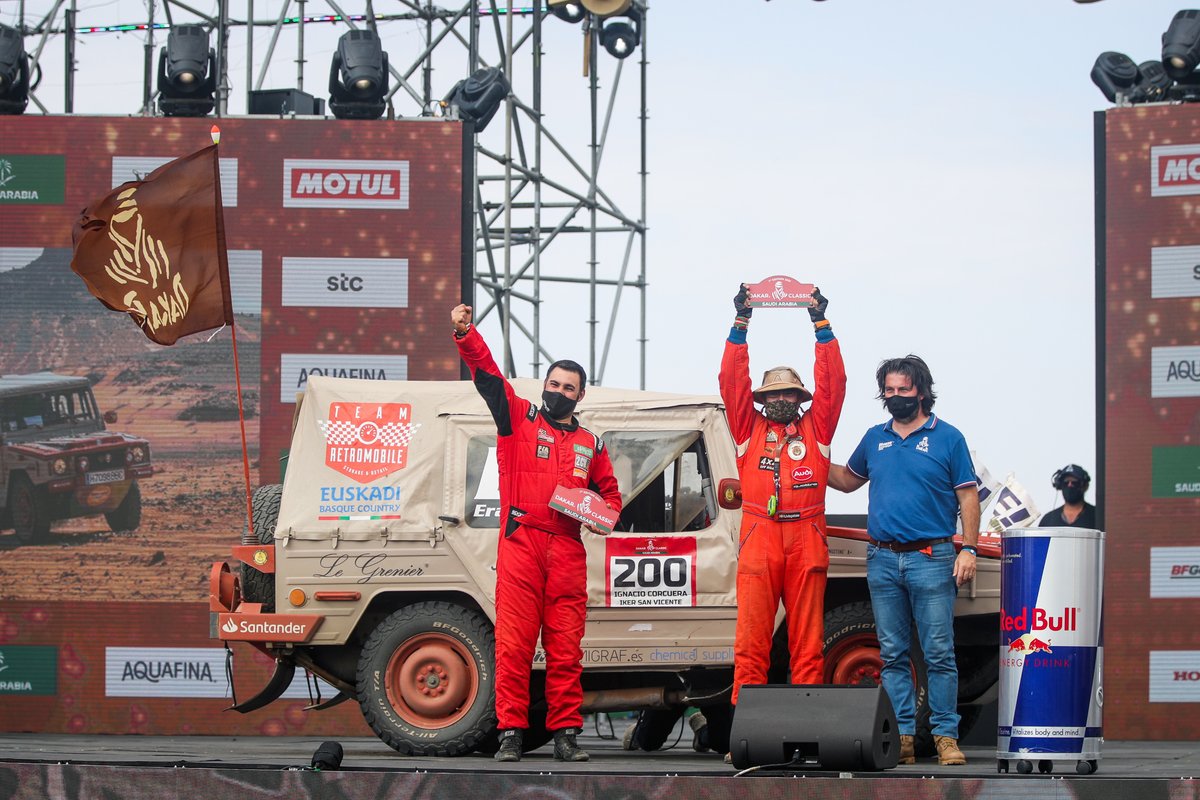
(1014, 507)
(987, 485)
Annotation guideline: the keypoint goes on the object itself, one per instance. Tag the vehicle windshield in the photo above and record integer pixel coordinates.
(664, 479)
(49, 409)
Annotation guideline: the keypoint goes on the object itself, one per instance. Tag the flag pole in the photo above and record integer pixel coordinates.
(249, 536)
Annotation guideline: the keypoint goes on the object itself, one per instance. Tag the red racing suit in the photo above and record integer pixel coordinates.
(785, 555)
(541, 568)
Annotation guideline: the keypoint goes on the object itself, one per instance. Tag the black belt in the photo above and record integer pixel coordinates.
(909, 547)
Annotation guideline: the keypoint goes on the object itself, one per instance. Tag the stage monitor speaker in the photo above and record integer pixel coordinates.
(281, 102)
(836, 727)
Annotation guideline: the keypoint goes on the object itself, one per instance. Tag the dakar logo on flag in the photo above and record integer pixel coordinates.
(365, 441)
(155, 249)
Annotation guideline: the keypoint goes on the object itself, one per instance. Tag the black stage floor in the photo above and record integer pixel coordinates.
(135, 767)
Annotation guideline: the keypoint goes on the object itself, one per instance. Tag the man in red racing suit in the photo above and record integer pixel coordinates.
(783, 464)
(541, 569)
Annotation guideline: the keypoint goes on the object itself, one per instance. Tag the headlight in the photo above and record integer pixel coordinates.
(59, 466)
(135, 455)
(82, 463)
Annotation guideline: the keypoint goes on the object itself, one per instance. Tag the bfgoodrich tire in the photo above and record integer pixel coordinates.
(259, 587)
(852, 657)
(128, 515)
(27, 507)
(426, 679)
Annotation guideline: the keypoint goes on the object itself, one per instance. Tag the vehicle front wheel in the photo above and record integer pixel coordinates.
(427, 681)
(30, 518)
(128, 515)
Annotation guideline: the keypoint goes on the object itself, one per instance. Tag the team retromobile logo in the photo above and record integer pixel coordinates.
(365, 441)
(344, 184)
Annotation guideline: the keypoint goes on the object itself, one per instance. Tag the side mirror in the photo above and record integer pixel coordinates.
(729, 493)
(110, 417)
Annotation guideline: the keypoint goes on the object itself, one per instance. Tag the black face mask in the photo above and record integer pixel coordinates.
(901, 407)
(557, 405)
(780, 410)
(1073, 494)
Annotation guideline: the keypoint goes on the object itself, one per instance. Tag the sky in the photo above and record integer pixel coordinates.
(927, 163)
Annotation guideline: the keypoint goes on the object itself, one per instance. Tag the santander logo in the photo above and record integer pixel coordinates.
(309, 183)
(230, 626)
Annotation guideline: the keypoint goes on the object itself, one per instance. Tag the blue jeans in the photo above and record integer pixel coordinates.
(907, 588)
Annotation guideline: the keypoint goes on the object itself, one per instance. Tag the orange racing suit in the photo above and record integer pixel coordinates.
(785, 554)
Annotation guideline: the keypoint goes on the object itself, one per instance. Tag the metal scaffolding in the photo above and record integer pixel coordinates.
(532, 193)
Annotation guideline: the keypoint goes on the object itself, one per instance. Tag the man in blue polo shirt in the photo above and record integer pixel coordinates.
(921, 479)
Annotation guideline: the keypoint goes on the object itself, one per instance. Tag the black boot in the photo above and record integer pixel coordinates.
(565, 748)
(510, 745)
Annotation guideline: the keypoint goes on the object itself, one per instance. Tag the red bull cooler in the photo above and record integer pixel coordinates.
(1051, 649)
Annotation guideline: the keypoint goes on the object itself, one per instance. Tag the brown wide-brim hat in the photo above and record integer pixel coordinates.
(778, 379)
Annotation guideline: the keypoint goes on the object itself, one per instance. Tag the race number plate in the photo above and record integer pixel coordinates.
(650, 572)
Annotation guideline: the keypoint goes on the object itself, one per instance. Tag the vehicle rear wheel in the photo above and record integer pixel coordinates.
(30, 518)
(259, 587)
(426, 679)
(128, 515)
(852, 659)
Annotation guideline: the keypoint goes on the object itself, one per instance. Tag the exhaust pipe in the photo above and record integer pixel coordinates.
(631, 699)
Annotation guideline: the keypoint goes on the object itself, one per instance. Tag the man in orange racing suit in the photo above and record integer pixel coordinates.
(541, 567)
(783, 464)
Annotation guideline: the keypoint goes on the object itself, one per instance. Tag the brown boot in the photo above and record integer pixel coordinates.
(908, 752)
(948, 753)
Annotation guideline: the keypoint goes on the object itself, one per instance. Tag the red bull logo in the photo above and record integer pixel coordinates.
(1040, 619)
(1017, 646)
(1038, 646)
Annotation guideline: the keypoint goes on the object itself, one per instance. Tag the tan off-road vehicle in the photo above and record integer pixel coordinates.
(58, 461)
(373, 566)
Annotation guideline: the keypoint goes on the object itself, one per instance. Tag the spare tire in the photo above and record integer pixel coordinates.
(259, 587)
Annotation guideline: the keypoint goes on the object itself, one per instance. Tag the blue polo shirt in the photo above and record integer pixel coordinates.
(913, 480)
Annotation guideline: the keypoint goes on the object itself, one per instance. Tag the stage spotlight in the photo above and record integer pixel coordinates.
(1114, 74)
(1181, 44)
(479, 96)
(14, 72)
(328, 757)
(621, 35)
(187, 73)
(358, 76)
(568, 12)
(1153, 82)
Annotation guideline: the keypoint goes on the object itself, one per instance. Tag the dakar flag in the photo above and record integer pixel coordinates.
(155, 248)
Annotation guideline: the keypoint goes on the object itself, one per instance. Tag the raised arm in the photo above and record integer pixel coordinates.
(829, 375)
(734, 379)
(505, 405)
